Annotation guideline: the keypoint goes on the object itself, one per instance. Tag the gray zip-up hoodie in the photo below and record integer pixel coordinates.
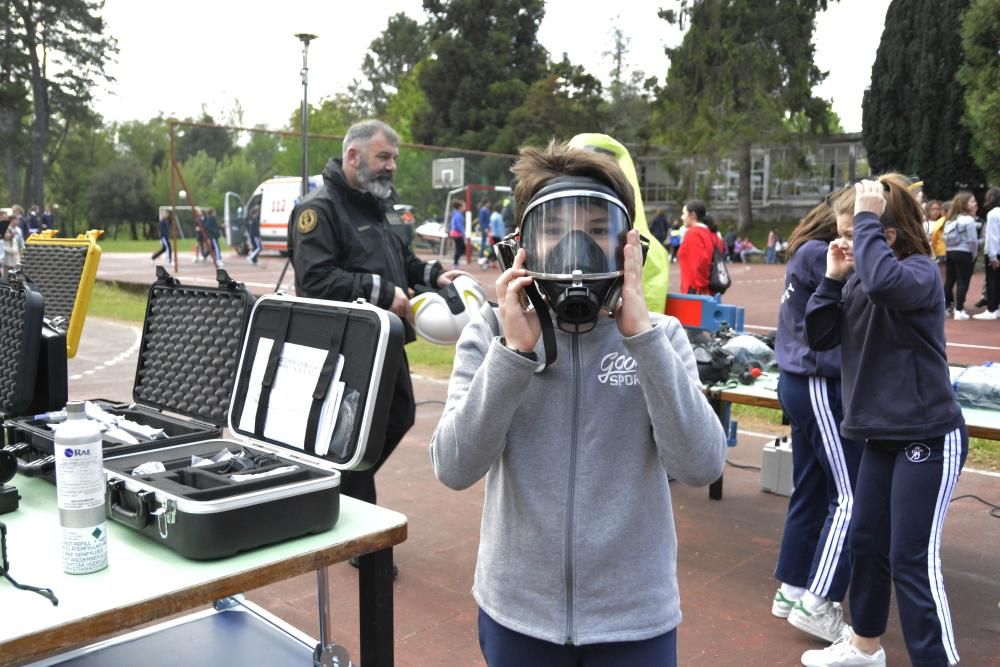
(577, 543)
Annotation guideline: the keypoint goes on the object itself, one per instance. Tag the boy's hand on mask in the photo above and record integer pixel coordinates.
(520, 324)
(633, 314)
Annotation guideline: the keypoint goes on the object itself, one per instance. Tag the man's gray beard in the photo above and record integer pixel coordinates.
(380, 189)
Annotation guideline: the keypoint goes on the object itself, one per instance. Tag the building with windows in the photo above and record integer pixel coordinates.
(786, 180)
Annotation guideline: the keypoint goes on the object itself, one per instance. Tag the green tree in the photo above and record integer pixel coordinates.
(980, 74)
(236, 174)
(148, 142)
(69, 34)
(88, 149)
(630, 94)
(912, 113)
(262, 151)
(560, 105)
(119, 194)
(199, 175)
(486, 56)
(390, 58)
(741, 69)
(332, 117)
(193, 139)
(14, 105)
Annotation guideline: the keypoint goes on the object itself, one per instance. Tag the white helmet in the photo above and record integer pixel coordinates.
(440, 316)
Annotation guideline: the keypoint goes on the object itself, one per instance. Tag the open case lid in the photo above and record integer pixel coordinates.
(318, 376)
(64, 271)
(190, 348)
(21, 311)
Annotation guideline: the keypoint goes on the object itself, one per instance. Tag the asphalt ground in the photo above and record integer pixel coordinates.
(727, 548)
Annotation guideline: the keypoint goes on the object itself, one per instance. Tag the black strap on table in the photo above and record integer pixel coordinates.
(325, 377)
(280, 336)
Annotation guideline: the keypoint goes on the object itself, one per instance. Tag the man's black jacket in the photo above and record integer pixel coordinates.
(346, 251)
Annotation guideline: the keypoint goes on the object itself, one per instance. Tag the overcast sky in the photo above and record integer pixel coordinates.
(176, 56)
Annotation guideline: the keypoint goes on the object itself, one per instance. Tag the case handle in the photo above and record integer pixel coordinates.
(137, 518)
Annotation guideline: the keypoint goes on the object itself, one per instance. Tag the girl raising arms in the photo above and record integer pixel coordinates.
(883, 303)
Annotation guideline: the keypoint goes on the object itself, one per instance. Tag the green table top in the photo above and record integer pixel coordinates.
(142, 572)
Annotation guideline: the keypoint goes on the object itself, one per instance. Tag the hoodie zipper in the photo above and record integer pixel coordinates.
(571, 500)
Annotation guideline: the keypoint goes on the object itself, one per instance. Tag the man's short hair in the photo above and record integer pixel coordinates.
(361, 132)
(537, 167)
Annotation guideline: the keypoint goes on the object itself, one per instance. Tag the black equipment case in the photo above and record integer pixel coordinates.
(188, 356)
(288, 444)
(21, 341)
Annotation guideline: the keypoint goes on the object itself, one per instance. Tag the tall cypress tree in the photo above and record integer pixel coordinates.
(912, 113)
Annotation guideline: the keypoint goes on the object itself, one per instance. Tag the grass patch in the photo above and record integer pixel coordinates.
(430, 359)
(112, 301)
(984, 454)
(123, 244)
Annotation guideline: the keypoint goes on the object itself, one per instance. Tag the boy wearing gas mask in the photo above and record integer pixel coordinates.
(577, 556)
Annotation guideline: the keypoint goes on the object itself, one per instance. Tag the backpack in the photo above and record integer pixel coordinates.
(718, 275)
(954, 234)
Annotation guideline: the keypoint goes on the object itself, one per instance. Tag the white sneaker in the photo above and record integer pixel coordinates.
(961, 315)
(781, 606)
(826, 622)
(987, 315)
(842, 653)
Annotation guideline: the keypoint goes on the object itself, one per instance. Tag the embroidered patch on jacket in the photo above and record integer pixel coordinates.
(918, 452)
(618, 370)
(306, 222)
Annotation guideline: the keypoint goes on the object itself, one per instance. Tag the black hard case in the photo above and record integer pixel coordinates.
(188, 356)
(201, 513)
(21, 314)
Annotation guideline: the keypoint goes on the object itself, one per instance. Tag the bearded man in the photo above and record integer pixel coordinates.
(342, 248)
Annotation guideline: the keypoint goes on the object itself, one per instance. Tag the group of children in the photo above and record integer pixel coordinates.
(874, 464)
(208, 238)
(957, 234)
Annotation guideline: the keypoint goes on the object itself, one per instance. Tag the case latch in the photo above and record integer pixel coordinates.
(165, 515)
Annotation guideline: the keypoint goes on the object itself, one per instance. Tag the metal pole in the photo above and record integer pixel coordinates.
(305, 37)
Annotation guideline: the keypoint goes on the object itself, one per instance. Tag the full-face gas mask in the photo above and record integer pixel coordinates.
(573, 233)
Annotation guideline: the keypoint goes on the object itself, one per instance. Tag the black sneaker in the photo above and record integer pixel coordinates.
(356, 563)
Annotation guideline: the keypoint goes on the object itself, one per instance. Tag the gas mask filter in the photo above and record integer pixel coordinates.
(573, 233)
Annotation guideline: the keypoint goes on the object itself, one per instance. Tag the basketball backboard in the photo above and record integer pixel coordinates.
(448, 173)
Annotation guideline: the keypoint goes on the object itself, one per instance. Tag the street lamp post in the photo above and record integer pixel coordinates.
(305, 38)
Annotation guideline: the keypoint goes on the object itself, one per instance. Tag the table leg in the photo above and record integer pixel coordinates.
(721, 409)
(375, 606)
(327, 653)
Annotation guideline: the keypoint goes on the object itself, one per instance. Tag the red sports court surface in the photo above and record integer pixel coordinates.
(727, 548)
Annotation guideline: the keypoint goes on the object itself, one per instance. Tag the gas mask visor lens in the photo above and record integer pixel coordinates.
(572, 231)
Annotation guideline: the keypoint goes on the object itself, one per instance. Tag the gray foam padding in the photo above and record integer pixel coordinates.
(190, 351)
(12, 348)
(55, 271)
